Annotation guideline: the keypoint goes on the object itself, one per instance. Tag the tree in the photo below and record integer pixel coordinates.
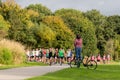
(113, 48)
(6, 8)
(64, 36)
(34, 16)
(72, 18)
(79, 24)
(114, 23)
(42, 10)
(100, 23)
(117, 48)
(20, 23)
(46, 35)
(0, 3)
(4, 27)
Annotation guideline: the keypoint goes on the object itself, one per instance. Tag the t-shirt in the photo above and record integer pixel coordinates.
(61, 53)
(69, 54)
(78, 43)
(37, 52)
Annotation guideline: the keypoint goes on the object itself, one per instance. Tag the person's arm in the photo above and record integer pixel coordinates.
(75, 42)
(81, 42)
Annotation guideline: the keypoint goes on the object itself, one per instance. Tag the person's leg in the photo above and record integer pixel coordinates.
(80, 56)
(50, 60)
(77, 53)
(60, 60)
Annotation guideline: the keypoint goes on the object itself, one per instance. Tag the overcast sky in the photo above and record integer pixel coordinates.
(106, 7)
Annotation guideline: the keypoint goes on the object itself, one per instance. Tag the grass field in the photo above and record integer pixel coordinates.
(103, 72)
(22, 65)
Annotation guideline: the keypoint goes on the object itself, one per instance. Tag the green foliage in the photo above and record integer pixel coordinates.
(114, 27)
(20, 24)
(79, 24)
(34, 16)
(4, 26)
(100, 22)
(46, 35)
(37, 12)
(114, 23)
(7, 7)
(0, 3)
(109, 47)
(42, 10)
(64, 36)
(34, 26)
(112, 47)
(117, 48)
(12, 51)
(72, 18)
(30, 39)
(5, 56)
(89, 42)
(26, 64)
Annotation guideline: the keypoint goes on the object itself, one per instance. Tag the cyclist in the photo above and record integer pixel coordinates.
(78, 46)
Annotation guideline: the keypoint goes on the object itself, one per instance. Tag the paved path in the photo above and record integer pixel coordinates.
(28, 72)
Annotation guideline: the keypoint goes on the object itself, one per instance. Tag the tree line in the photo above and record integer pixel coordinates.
(37, 26)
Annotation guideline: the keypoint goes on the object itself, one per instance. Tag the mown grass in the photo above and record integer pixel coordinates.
(103, 72)
(22, 65)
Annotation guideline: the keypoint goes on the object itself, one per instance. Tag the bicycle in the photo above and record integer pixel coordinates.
(90, 64)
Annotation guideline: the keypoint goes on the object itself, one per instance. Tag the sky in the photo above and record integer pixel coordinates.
(106, 7)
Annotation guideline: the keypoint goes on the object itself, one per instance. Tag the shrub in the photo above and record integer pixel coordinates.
(15, 48)
(6, 56)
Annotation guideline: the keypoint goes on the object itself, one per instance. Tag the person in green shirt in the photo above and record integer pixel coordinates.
(61, 55)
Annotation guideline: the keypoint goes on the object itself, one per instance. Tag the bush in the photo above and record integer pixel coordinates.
(5, 56)
(16, 49)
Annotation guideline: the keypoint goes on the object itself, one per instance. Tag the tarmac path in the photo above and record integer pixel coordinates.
(28, 72)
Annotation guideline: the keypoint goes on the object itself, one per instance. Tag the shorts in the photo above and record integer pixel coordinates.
(98, 60)
(40, 55)
(61, 57)
(69, 57)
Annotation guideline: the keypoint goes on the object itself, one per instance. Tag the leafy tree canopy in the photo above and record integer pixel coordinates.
(4, 27)
(64, 36)
(79, 24)
(42, 10)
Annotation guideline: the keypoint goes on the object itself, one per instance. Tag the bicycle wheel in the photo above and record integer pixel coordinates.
(72, 64)
(91, 64)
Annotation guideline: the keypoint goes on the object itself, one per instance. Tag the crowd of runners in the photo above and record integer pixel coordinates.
(49, 55)
(55, 55)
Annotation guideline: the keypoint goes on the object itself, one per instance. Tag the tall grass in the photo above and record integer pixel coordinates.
(15, 48)
(5, 56)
